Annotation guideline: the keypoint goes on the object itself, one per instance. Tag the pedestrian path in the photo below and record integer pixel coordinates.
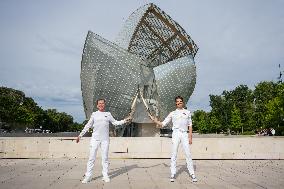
(140, 173)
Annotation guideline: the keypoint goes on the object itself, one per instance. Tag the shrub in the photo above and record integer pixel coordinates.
(279, 131)
(248, 133)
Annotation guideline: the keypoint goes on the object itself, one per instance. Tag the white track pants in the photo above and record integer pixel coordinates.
(94, 145)
(177, 137)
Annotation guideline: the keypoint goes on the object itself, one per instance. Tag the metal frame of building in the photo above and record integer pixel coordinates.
(152, 52)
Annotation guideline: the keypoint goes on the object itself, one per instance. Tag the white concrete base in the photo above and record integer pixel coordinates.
(144, 147)
(148, 130)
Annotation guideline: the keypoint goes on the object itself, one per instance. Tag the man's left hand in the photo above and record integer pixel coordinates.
(128, 119)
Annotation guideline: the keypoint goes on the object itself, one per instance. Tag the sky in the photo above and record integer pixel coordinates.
(41, 44)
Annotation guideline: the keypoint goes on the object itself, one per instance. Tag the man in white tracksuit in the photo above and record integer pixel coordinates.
(99, 122)
(182, 131)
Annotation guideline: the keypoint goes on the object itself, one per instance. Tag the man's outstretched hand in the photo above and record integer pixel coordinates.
(155, 120)
(77, 139)
(128, 119)
(158, 126)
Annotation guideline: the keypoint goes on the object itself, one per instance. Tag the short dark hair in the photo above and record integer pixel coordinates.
(178, 97)
(100, 100)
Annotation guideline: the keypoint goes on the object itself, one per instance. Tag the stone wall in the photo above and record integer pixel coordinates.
(144, 147)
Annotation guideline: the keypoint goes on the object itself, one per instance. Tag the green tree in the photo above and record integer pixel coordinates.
(275, 108)
(27, 112)
(65, 121)
(236, 122)
(200, 121)
(274, 111)
(76, 127)
(221, 109)
(215, 124)
(58, 122)
(263, 93)
(242, 97)
(10, 101)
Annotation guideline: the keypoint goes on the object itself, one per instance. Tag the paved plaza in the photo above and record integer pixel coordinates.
(141, 173)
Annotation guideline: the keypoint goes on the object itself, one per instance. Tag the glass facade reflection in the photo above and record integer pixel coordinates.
(152, 54)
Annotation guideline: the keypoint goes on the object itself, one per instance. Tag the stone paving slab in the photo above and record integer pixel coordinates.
(140, 174)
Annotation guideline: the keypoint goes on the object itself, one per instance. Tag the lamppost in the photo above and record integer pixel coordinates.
(280, 75)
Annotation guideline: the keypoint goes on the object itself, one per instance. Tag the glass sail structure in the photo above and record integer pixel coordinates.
(151, 54)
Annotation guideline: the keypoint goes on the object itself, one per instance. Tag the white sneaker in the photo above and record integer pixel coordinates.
(86, 180)
(106, 179)
(193, 177)
(172, 178)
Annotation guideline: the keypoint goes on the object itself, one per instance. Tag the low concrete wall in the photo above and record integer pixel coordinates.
(144, 147)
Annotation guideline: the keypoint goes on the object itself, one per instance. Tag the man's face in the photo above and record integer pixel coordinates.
(179, 103)
(101, 105)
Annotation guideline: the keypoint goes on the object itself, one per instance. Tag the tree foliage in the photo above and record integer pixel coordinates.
(236, 122)
(200, 121)
(244, 110)
(18, 112)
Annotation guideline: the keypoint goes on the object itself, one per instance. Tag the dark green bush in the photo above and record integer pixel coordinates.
(279, 131)
(248, 133)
